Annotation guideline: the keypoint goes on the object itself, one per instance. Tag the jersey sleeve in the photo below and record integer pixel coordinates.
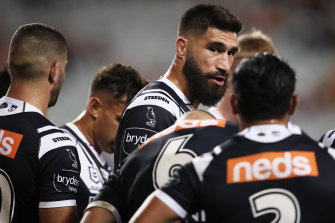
(181, 191)
(111, 197)
(137, 125)
(59, 169)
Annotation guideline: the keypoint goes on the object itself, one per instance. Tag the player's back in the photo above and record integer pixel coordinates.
(18, 162)
(150, 167)
(259, 176)
(29, 170)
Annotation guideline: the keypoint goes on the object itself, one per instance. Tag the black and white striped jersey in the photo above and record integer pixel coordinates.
(154, 108)
(328, 139)
(263, 174)
(39, 165)
(94, 169)
(151, 166)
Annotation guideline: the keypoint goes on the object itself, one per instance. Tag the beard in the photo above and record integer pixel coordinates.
(56, 90)
(201, 89)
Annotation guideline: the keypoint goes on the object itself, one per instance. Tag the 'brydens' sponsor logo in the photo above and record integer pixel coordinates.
(156, 98)
(137, 140)
(132, 138)
(9, 143)
(66, 180)
(271, 166)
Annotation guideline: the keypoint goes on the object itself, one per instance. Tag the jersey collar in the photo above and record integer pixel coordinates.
(266, 133)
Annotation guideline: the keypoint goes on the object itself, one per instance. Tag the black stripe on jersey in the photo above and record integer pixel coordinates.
(24, 107)
(49, 132)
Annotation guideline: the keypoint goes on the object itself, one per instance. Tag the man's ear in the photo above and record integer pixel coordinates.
(54, 73)
(234, 104)
(293, 104)
(7, 67)
(94, 107)
(181, 48)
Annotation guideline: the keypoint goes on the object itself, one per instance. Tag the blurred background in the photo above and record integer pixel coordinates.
(142, 33)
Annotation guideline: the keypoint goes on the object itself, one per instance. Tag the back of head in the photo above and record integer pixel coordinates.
(33, 49)
(199, 18)
(195, 115)
(118, 81)
(264, 85)
(251, 43)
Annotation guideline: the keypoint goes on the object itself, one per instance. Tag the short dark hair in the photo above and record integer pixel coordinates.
(264, 85)
(203, 16)
(32, 41)
(118, 80)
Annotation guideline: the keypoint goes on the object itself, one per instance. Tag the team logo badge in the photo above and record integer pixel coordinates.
(73, 158)
(3, 105)
(151, 116)
(94, 174)
(12, 108)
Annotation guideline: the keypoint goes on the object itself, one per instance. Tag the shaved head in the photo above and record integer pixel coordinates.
(35, 48)
(196, 115)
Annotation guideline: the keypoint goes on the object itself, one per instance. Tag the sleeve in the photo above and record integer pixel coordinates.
(137, 125)
(181, 192)
(59, 170)
(111, 198)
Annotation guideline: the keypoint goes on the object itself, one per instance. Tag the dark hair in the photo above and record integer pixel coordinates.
(200, 17)
(118, 80)
(32, 41)
(264, 85)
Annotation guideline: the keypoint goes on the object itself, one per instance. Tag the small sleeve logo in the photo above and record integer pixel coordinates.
(9, 143)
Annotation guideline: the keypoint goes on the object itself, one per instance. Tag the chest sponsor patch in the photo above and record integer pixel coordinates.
(271, 166)
(9, 143)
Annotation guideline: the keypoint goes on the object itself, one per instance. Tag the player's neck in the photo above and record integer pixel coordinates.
(281, 121)
(33, 94)
(85, 125)
(176, 76)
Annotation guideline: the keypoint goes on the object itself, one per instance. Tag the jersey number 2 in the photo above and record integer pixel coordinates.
(7, 197)
(172, 156)
(278, 201)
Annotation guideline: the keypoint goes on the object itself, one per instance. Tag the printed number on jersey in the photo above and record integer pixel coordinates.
(172, 156)
(7, 198)
(278, 201)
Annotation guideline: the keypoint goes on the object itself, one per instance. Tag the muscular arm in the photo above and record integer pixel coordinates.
(154, 210)
(58, 215)
(98, 215)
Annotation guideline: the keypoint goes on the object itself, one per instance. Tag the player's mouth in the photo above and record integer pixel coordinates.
(217, 79)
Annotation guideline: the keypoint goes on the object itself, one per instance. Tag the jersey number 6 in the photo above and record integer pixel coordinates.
(7, 198)
(172, 156)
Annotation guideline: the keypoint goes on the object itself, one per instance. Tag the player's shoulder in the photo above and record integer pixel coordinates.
(53, 137)
(162, 96)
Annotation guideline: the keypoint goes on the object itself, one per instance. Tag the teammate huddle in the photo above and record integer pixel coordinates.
(171, 164)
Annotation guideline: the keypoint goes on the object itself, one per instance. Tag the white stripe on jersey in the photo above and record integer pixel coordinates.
(53, 141)
(266, 133)
(201, 163)
(14, 106)
(164, 99)
(57, 204)
(46, 128)
(171, 203)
